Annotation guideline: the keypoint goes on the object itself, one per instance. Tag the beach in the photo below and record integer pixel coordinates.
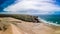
(23, 27)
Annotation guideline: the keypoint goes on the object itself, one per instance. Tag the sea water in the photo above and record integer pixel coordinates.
(51, 19)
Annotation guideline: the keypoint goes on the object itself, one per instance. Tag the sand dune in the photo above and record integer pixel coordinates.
(22, 27)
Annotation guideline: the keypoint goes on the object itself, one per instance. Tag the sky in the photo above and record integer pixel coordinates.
(30, 7)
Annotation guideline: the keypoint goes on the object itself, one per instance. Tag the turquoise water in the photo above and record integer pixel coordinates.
(51, 18)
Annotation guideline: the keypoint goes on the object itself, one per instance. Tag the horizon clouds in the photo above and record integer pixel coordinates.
(33, 7)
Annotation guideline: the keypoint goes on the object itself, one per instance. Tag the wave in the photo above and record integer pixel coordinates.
(48, 22)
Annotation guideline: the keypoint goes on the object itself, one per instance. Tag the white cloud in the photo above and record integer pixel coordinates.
(42, 6)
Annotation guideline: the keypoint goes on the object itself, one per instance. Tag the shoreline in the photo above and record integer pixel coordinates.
(49, 23)
(32, 28)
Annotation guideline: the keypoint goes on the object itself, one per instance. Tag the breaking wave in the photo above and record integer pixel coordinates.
(49, 22)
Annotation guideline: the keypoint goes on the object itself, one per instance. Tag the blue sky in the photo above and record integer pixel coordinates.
(29, 6)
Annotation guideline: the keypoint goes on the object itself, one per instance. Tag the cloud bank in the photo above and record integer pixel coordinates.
(33, 7)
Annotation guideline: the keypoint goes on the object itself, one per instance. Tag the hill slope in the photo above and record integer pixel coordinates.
(23, 27)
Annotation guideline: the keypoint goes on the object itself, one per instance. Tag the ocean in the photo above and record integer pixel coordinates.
(55, 19)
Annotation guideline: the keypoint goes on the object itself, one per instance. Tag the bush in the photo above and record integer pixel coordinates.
(28, 18)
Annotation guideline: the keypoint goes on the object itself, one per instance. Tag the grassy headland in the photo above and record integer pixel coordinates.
(28, 18)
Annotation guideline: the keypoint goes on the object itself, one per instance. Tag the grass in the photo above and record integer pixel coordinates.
(28, 18)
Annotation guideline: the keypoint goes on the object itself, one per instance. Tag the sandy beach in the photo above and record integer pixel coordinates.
(22, 27)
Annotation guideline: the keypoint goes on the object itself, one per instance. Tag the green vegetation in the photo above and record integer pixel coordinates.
(28, 18)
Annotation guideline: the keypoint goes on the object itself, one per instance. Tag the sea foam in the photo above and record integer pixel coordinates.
(48, 22)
